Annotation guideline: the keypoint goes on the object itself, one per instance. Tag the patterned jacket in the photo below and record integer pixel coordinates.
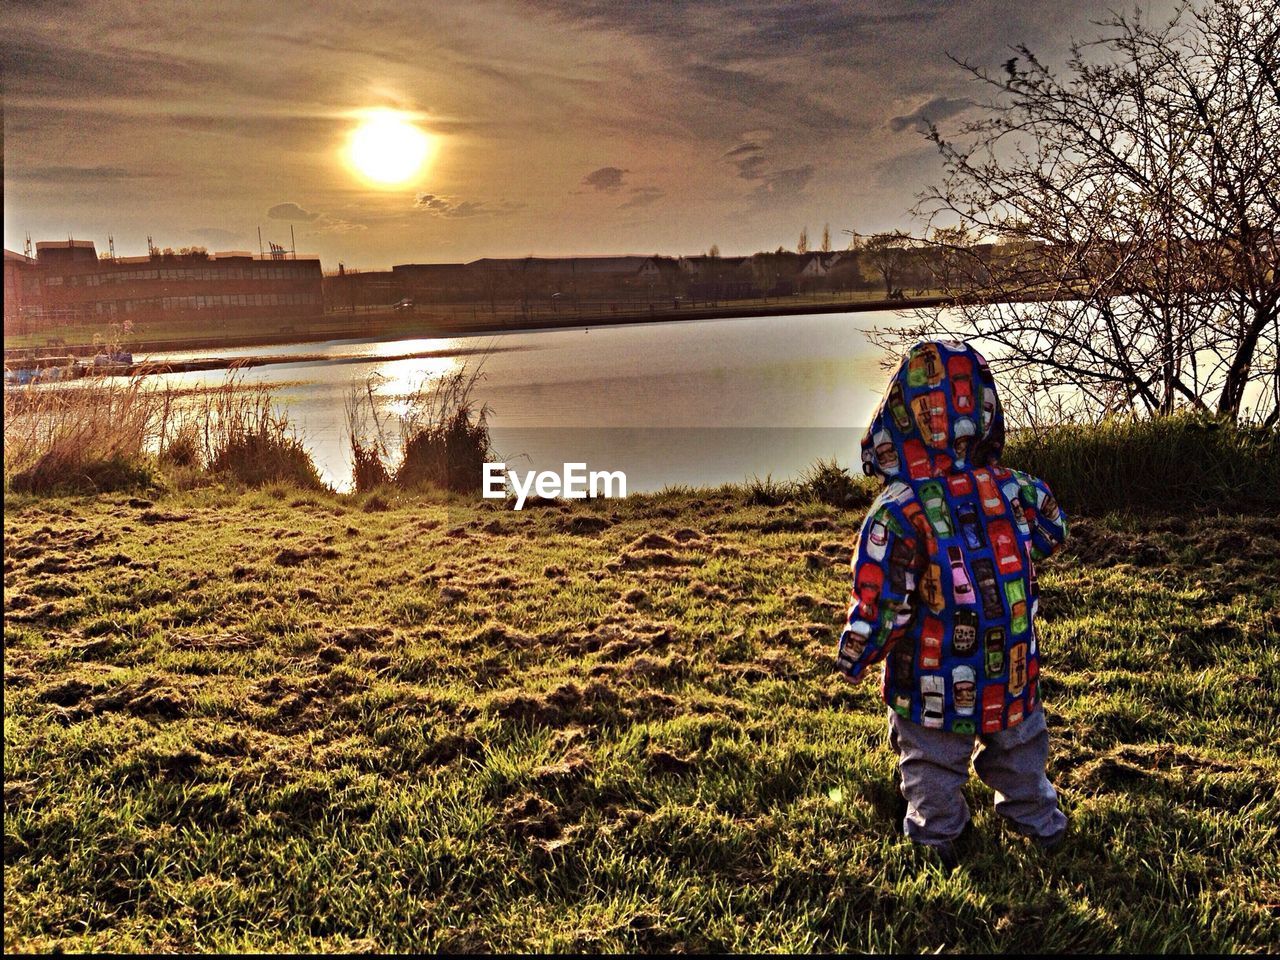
(944, 575)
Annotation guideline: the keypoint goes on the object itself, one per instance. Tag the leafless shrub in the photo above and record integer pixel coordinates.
(1113, 232)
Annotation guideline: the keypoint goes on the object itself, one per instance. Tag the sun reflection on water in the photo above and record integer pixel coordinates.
(397, 382)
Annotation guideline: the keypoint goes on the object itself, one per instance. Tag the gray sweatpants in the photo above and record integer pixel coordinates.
(935, 766)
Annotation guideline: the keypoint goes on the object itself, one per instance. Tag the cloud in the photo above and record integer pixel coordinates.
(291, 211)
(448, 207)
(933, 111)
(642, 197)
(327, 224)
(322, 222)
(781, 186)
(452, 208)
(760, 30)
(606, 179)
(748, 157)
(66, 65)
(744, 149)
(780, 98)
(61, 174)
(773, 184)
(919, 166)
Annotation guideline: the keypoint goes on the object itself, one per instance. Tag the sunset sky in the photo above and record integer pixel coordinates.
(567, 126)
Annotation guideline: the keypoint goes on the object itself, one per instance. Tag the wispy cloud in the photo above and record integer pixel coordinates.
(327, 224)
(748, 158)
(452, 208)
(320, 222)
(216, 236)
(642, 197)
(783, 186)
(745, 149)
(932, 111)
(64, 174)
(774, 183)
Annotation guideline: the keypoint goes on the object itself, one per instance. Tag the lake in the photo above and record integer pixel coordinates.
(697, 402)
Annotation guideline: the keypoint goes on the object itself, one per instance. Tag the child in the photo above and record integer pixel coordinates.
(945, 594)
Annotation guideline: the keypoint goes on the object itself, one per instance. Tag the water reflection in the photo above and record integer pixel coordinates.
(390, 348)
(696, 402)
(394, 385)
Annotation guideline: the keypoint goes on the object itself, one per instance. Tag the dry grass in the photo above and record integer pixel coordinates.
(87, 436)
(443, 436)
(113, 433)
(248, 435)
(369, 447)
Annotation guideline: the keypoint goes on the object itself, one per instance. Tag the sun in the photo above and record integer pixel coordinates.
(387, 149)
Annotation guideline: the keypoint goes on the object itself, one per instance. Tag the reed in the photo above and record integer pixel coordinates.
(369, 446)
(443, 436)
(85, 437)
(118, 433)
(769, 492)
(247, 434)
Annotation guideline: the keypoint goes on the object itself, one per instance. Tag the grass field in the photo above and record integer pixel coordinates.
(286, 720)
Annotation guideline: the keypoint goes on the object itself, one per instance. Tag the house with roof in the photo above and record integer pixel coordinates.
(710, 278)
(818, 266)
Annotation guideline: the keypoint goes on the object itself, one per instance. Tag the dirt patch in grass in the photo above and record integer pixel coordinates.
(652, 541)
(295, 556)
(530, 817)
(497, 636)
(361, 636)
(160, 516)
(642, 559)
(584, 524)
(150, 697)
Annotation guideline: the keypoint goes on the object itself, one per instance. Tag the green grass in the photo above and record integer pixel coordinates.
(291, 720)
(1156, 464)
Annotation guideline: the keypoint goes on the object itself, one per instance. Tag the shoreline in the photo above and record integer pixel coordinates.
(146, 368)
(377, 326)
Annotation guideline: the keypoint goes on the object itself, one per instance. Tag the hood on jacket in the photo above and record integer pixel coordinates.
(940, 413)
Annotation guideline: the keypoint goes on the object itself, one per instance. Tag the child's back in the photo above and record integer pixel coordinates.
(944, 579)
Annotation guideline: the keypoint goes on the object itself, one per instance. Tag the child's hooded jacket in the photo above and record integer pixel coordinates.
(944, 583)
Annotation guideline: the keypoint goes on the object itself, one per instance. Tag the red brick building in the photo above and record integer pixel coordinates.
(20, 289)
(67, 283)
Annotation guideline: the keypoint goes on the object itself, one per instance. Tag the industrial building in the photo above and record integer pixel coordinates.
(68, 283)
